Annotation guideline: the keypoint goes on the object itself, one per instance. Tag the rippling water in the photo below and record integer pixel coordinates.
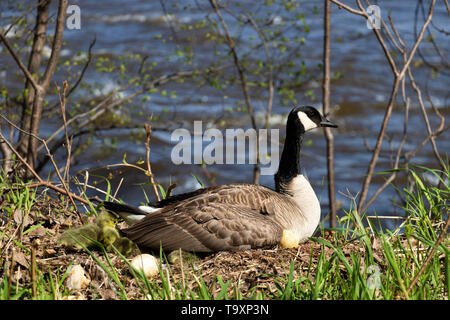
(359, 98)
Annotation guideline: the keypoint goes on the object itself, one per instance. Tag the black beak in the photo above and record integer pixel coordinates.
(327, 123)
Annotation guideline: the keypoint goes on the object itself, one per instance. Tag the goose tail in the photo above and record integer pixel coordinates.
(130, 214)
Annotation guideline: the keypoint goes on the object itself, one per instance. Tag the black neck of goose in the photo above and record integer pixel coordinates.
(289, 166)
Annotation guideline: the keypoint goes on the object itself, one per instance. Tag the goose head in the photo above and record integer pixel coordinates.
(305, 118)
(300, 120)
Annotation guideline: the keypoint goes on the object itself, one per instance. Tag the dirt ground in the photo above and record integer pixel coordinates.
(48, 219)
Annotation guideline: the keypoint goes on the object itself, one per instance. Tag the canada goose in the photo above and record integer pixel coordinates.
(236, 216)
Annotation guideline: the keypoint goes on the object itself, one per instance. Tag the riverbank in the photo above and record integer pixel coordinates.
(354, 261)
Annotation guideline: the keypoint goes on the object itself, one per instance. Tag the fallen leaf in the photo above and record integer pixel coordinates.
(20, 215)
(50, 252)
(22, 259)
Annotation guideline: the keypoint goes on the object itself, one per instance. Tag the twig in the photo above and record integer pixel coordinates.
(80, 115)
(57, 43)
(349, 9)
(40, 181)
(5, 247)
(406, 101)
(23, 16)
(170, 189)
(49, 154)
(118, 187)
(419, 39)
(148, 131)
(7, 156)
(19, 156)
(270, 66)
(22, 67)
(387, 217)
(85, 185)
(242, 77)
(126, 165)
(45, 80)
(10, 273)
(62, 101)
(80, 77)
(169, 21)
(34, 67)
(430, 255)
(86, 179)
(427, 122)
(33, 268)
(398, 76)
(443, 64)
(270, 85)
(83, 71)
(107, 104)
(182, 268)
(431, 135)
(326, 108)
(381, 41)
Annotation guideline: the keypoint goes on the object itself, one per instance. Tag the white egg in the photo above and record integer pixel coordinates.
(146, 263)
(78, 296)
(289, 239)
(77, 278)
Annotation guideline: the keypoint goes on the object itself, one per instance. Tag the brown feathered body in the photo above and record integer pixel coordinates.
(227, 217)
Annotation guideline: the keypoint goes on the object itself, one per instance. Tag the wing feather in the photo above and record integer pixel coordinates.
(230, 217)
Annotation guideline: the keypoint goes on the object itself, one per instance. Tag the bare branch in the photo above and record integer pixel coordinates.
(7, 155)
(22, 160)
(80, 115)
(349, 9)
(326, 109)
(148, 131)
(419, 39)
(62, 101)
(42, 182)
(56, 45)
(22, 67)
(48, 74)
(34, 64)
(430, 255)
(83, 71)
(242, 77)
(431, 135)
(425, 116)
(23, 16)
(270, 65)
(398, 76)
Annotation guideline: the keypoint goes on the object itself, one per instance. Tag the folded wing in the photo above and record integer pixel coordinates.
(233, 217)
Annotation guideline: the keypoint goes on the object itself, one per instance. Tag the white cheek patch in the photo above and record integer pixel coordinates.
(307, 123)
